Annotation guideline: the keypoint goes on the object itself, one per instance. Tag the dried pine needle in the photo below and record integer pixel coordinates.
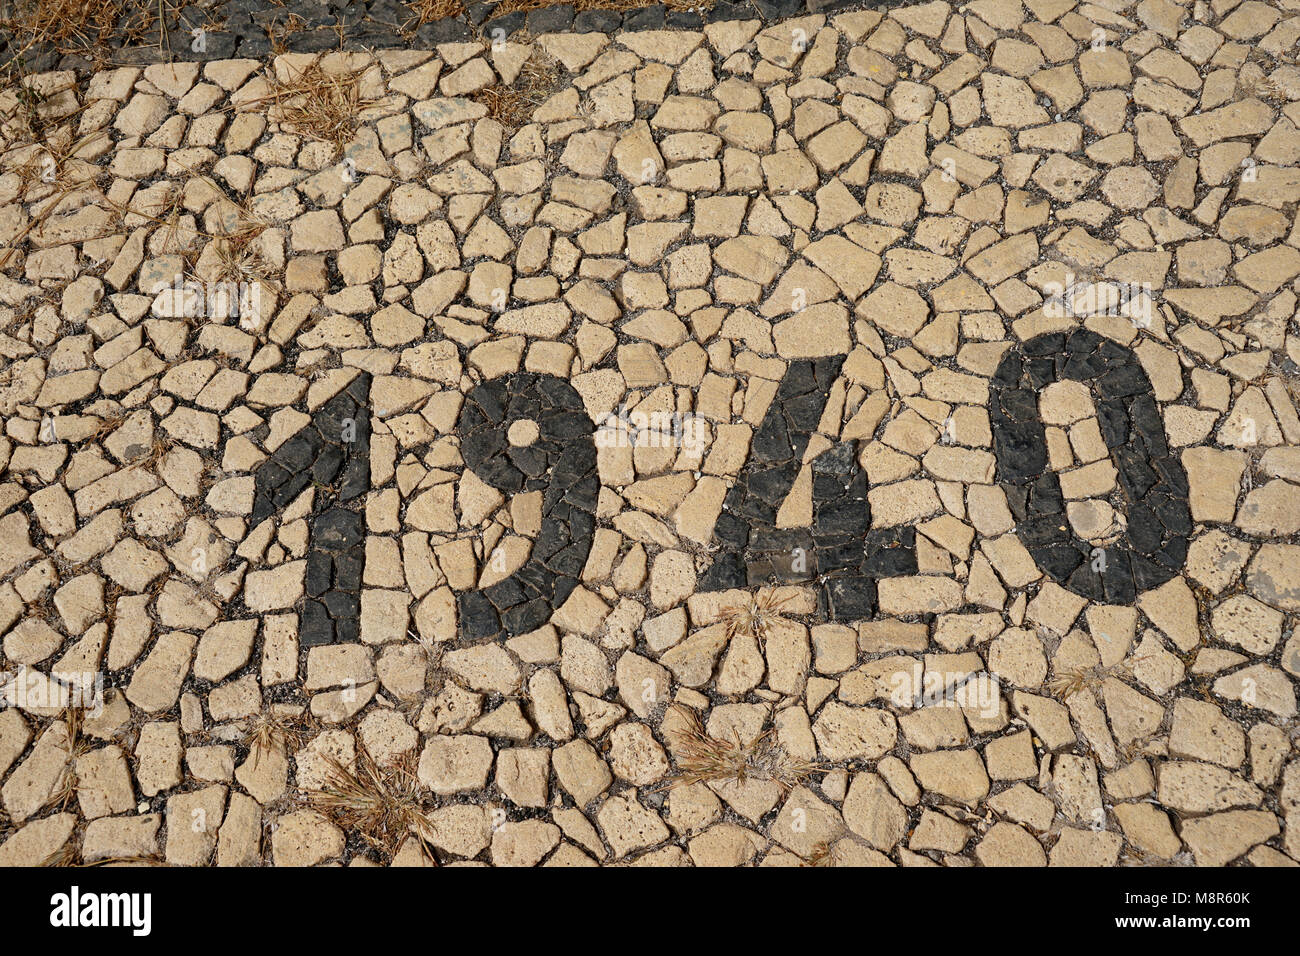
(317, 103)
(384, 804)
(703, 758)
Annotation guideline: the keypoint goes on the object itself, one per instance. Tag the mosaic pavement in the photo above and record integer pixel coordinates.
(864, 438)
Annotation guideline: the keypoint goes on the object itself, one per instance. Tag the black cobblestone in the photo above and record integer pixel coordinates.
(839, 551)
(239, 28)
(1152, 482)
(561, 463)
(332, 452)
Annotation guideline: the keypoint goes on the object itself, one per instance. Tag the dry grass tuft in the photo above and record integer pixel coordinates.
(581, 6)
(823, 854)
(170, 213)
(512, 105)
(119, 861)
(703, 758)
(1267, 88)
(1068, 681)
(237, 258)
(65, 855)
(384, 804)
(69, 855)
(756, 616)
(278, 34)
(38, 127)
(1289, 375)
(70, 26)
(430, 11)
(1130, 751)
(109, 422)
(432, 649)
(64, 791)
(272, 729)
(141, 456)
(319, 104)
(40, 144)
(75, 717)
(239, 261)
(240, 224)
(506, 105)
(81, 28)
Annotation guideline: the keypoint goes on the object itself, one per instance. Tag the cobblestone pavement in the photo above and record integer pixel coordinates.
(864, 438)
(134, 31)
